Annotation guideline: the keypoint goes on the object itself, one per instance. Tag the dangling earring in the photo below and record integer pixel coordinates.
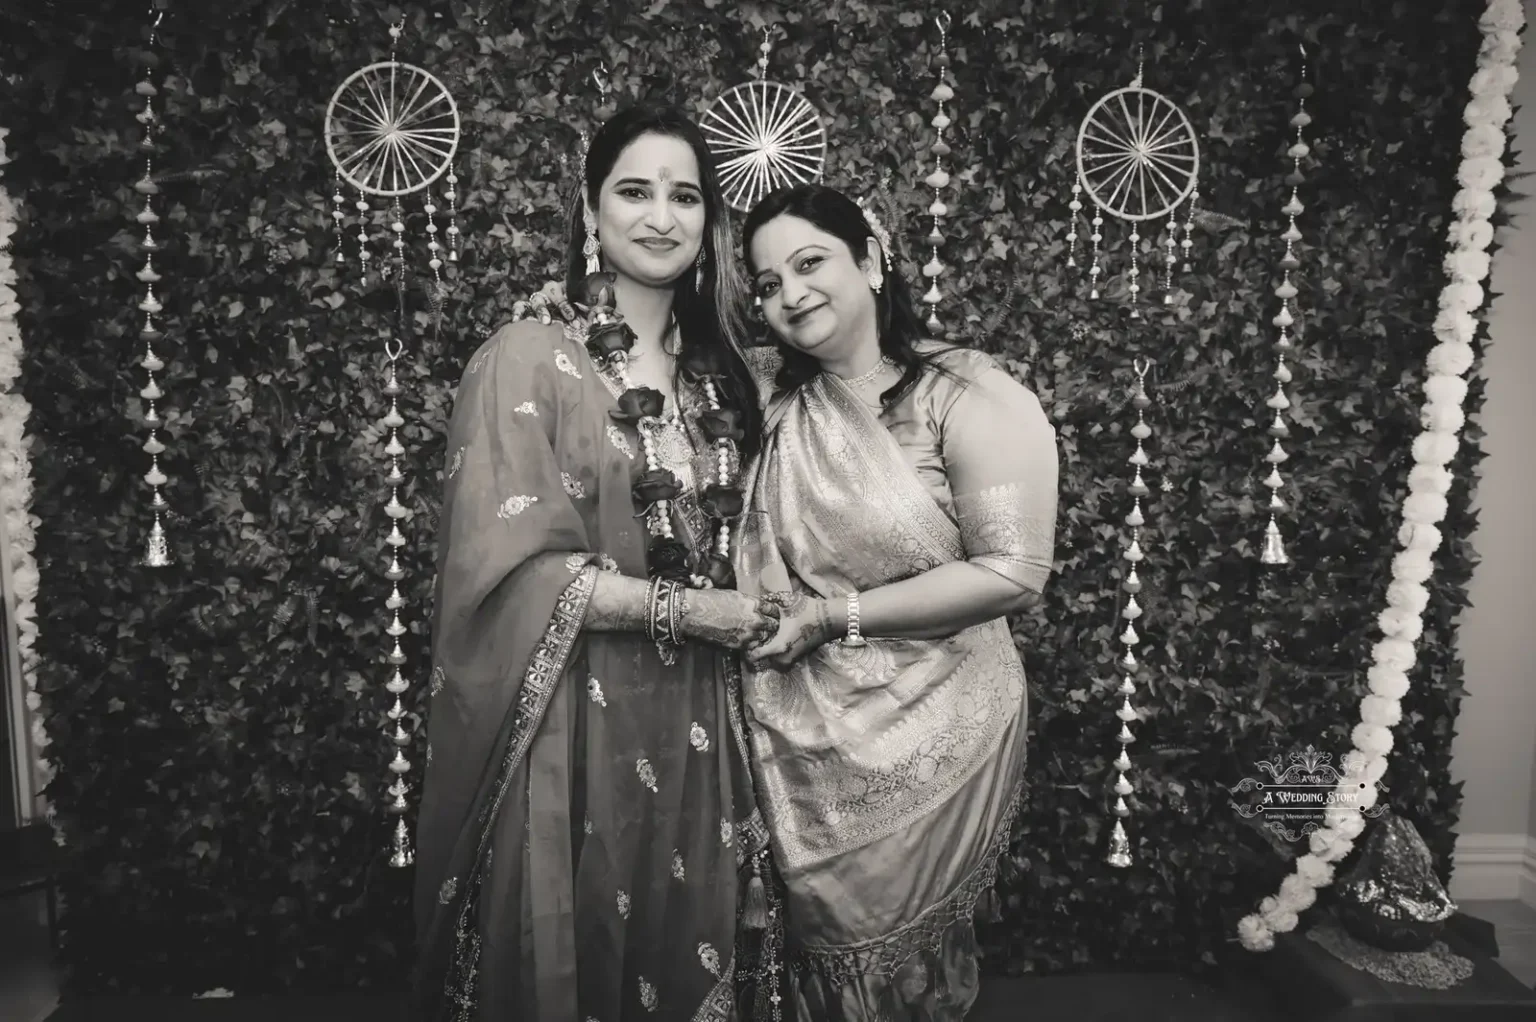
(590, 248)
(876, 281)
(698, 273)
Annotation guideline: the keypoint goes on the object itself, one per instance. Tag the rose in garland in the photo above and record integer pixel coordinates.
(638, 404)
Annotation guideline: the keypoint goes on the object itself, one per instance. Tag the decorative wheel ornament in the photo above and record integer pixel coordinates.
(391, 129)
(1138, 159)
(1137, 155)
(764, 135)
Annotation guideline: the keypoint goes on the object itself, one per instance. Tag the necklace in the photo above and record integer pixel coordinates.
(880, 366)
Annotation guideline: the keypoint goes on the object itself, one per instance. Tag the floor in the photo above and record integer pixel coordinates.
(29, 990)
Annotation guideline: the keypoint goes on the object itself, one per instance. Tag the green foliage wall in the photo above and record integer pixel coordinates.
(217, 726)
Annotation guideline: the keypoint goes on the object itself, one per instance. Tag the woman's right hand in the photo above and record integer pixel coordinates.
(729, 619)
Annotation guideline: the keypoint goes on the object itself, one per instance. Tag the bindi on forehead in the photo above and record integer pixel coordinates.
(666, 175)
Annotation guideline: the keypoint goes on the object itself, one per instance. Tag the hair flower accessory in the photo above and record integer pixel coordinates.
(882, 236)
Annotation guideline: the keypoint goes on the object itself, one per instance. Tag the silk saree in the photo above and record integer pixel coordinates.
(586, 810)
(889, 775)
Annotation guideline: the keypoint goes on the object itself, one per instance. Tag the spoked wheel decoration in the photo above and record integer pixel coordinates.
(391, 130)
(764, 135)
(1138, 159)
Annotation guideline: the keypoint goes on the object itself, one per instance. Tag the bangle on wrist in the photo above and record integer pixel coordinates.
(853, 637)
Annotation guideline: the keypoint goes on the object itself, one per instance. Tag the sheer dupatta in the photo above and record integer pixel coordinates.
(534, 856)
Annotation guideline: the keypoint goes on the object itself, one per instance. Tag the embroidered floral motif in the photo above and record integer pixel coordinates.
(698, 737)
(439, 679)
(448, 890)
(678, 873)
(575, 563)
(727, 832)
(607, 563)
(457, 463)
(515, 506)
(573, 487)
(479, 362)
(617, 438)
(563, 363)
(647, 995)
(623, 903)
(646, 772)
(710, 959)
(595, 692)
(527, 408)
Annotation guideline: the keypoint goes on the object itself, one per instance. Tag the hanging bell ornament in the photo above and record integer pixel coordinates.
(157, 553)
(403, 856)
(1119, 847)
(1274, 546)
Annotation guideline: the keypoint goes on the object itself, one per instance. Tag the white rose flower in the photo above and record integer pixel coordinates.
(24, 581)
(1408, 596)
(1372, 739)
(1463, 295)
(1474, 204)
(1446, 390)
(1401, 623)
(1482, 141)
(1503, 16)
(1254, 934)
(1393, 653)
(1419, 537)
(1430, 479)
(1435, 448)
(1468, 264)
(1450, 358)
(1378, 712)
(1410, 570)
(1428, 508)
(1314, 870)
(1493, 110)
(1350, 827)
(1435, 417)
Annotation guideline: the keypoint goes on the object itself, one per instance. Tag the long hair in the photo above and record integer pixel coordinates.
(711, 319)
(896, 320)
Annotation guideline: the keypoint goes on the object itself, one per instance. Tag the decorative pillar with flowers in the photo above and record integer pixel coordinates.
(20, 570)
(1467, 265)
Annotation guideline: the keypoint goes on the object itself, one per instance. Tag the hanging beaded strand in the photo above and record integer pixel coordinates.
(1134, 277)
(939, 179)
(1119, 854)
(1273, 551)
(452, 197)
(157, 552)
(397, 686)
(339, 217)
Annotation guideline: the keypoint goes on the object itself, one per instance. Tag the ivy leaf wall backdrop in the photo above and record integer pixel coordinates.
(217, 726)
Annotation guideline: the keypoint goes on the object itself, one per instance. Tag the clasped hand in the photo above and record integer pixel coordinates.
(772, 631)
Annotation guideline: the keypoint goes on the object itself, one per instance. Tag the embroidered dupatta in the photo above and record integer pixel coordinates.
(889, 774)
(586, 808)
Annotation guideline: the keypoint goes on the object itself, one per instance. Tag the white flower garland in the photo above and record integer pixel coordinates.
(16, 482)
(1402, 623)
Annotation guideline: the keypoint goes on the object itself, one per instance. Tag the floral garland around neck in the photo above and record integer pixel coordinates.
(609, 340)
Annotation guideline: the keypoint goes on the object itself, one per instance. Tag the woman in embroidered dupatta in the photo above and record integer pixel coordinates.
(587, 806)
(923, 479)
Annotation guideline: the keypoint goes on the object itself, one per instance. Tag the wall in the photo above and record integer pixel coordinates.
(1495, 749)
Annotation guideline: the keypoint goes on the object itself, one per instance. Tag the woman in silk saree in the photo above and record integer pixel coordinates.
(587, 808)
(905, 502)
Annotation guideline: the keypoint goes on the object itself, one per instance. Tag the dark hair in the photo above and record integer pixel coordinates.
(896, 318)
(712, 320)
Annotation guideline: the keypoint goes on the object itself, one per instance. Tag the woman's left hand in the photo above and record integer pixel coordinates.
(805, 625)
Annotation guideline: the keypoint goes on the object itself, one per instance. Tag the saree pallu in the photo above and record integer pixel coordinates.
(586, 810)
(889, 775)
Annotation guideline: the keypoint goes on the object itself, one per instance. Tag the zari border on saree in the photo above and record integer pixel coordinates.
(539, 683)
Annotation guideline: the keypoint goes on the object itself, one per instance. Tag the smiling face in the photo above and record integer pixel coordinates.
(816, 294)
(650, 211)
